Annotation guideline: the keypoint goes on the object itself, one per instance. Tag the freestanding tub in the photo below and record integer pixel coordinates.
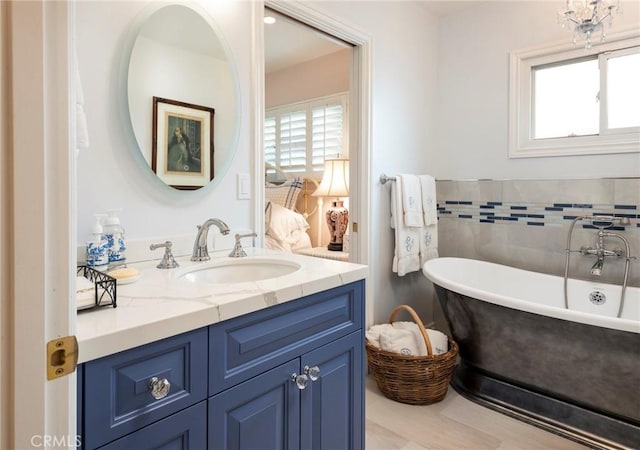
(574, 372)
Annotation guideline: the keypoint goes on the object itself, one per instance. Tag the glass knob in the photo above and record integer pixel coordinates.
(300, 380)
(313, 372)
(159, 387)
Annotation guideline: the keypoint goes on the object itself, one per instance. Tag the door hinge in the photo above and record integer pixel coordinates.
(354, 227)
(62, 357)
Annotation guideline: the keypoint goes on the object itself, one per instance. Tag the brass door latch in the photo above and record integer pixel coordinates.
(62, 357)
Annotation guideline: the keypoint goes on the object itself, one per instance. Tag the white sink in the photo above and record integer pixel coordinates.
(239, 270)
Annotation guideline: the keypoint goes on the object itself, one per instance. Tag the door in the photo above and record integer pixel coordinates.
(332, 407)
(186, 430)
(358, 111)
(262, 413)
(39, 207)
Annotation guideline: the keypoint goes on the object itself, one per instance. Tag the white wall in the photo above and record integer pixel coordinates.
(473, 77)
(111, 173)
(404, 37)
(318, 77)
(404, 57)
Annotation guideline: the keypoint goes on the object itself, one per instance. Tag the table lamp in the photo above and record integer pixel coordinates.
(335, 183)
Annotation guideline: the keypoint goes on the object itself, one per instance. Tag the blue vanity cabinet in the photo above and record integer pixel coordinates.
(237, 384)
(267, 395)
(117, 391)
(184, 430)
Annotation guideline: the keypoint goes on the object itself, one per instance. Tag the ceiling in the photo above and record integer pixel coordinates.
(443, 8)
(288, 43)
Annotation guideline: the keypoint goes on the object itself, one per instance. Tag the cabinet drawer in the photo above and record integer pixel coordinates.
(246, 346)
(117, 398)
(186, 430)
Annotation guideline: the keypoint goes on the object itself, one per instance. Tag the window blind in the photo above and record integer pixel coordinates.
(299, 137)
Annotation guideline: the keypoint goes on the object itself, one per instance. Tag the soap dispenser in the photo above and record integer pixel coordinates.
(97, 248)
(114, 234)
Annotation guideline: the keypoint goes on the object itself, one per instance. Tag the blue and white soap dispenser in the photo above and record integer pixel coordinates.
(97, 247)
(114, 234)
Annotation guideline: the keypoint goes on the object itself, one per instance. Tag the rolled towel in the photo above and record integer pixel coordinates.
(85, 293)
(439, 340)
(373, 333)
(403, 341)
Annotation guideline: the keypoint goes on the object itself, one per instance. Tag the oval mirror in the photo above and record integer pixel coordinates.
(183, 97)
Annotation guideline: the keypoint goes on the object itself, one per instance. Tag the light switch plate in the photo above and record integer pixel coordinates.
(243, 186)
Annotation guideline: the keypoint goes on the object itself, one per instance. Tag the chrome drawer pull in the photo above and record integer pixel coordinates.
(300, 380)
(312, 372)
(159, 388)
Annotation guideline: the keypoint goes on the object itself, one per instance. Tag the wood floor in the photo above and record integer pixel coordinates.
(452, 424)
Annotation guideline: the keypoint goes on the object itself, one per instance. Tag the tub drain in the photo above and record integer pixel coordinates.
(597, 297)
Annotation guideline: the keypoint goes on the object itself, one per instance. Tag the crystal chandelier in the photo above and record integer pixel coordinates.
(586, 17)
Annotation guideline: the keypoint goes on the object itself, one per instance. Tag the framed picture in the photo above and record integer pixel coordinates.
(182, 144)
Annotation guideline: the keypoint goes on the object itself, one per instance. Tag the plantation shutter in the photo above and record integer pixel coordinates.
(298, 138)
(327, 133)
(293, 141)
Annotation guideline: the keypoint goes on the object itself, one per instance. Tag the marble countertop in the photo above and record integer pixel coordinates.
(160, 304)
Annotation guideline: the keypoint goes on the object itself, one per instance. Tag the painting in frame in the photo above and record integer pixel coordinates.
(182, 144)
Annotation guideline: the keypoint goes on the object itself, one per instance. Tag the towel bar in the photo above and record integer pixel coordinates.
(384, 178)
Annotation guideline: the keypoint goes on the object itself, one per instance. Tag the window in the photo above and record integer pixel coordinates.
(568, 101)
(299, 137)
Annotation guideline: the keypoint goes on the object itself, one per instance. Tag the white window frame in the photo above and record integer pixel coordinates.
(521, 124)
(308, 106)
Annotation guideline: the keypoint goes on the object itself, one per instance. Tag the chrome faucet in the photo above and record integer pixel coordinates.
(238, 251)
(200, 251)
(602, 223)
(600, 252)
(596, 269)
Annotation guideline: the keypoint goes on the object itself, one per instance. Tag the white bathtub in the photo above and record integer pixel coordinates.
(574, 371)
(536, 292)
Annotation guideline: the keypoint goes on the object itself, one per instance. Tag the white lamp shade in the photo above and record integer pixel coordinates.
(335, 180)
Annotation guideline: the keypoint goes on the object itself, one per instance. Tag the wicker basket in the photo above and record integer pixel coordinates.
(417, 380)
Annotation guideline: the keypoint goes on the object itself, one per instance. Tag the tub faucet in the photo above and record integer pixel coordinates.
(597, 267)
(200, 251)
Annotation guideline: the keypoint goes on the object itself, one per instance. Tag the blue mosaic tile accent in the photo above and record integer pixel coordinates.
(536, 214)
(591, 227)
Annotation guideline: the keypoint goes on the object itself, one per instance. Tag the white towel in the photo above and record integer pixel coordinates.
(428, 189)
(404, 342)
(428, 243)
(439, 340)
(411, 200)
(407, 252)
(85, 293)
(429, 233)
(405, 338)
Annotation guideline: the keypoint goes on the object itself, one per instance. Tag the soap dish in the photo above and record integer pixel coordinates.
(104, 289)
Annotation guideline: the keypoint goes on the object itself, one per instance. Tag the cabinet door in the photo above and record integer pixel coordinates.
(262, 413)
(117, 392)
(332, 407)
(186, 430)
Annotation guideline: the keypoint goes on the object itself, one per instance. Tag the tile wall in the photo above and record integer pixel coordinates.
(524, 223)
